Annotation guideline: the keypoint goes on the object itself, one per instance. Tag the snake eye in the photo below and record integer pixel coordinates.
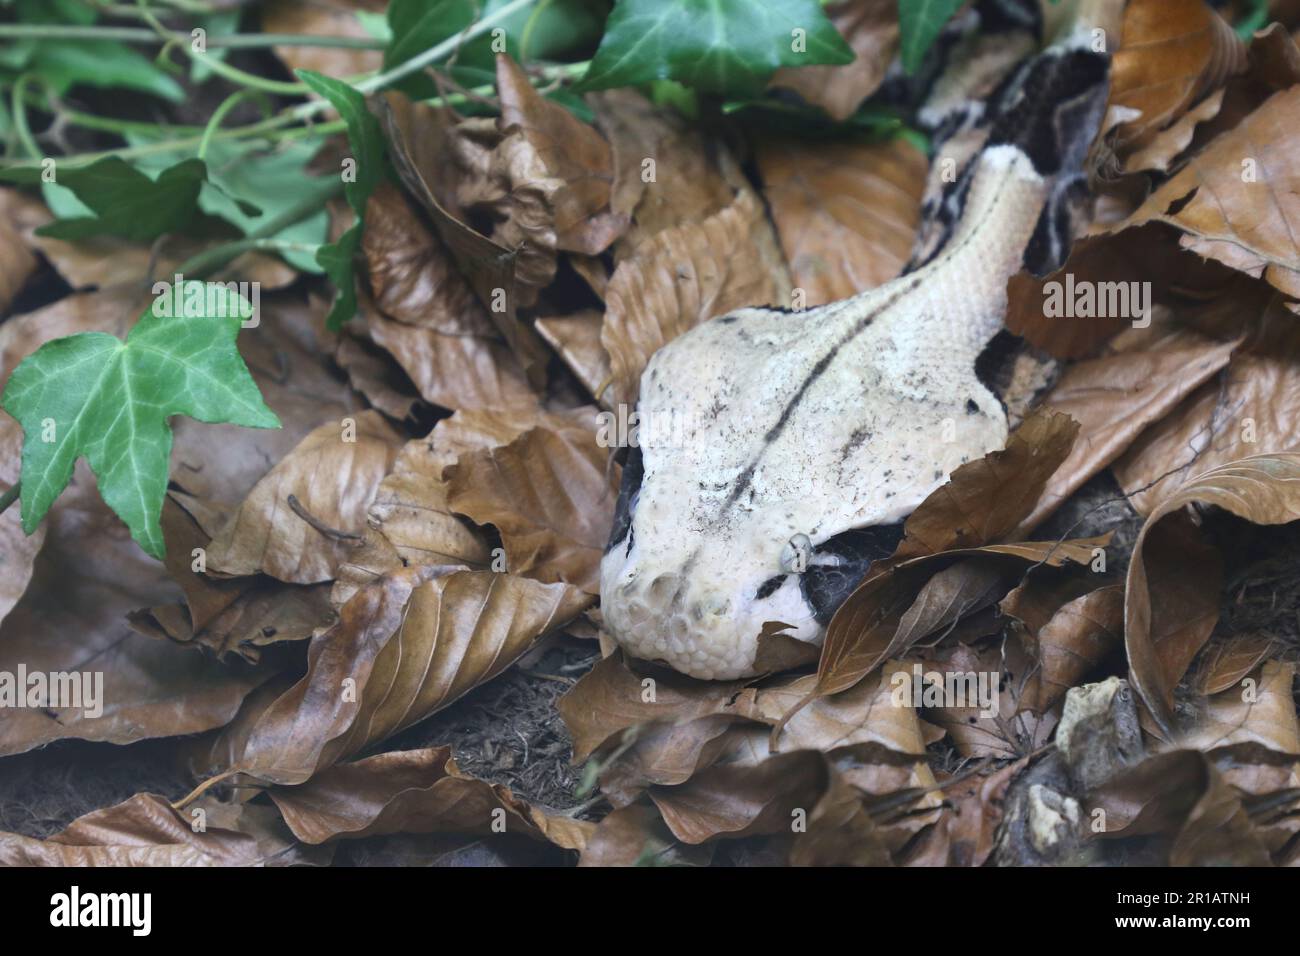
(795, 555)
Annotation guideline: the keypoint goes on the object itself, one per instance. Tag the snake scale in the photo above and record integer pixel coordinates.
(814, 434)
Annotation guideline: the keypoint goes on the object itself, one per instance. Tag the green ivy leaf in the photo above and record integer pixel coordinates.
(542, 31)
(92, 394)
(716, 46)
(367, 143)
(919, 24)
(125, 201)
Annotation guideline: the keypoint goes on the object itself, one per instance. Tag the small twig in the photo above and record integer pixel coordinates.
(296, 506)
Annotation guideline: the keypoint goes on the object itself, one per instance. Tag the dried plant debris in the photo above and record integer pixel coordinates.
(861, 433)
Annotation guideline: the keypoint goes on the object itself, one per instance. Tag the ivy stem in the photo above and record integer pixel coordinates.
(220, 113)
(21, 129)
(230, 41)
(10, 496)
(232, 73)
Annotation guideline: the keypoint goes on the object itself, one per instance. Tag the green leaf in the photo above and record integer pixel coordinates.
(919, 24)
(92, 394)
(367, 143)
(716, 46)
(249, 184)
(545, 30)
(125, 201)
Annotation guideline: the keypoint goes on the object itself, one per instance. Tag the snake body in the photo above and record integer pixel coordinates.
(808, 437)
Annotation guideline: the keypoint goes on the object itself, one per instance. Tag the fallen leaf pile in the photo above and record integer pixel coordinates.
(428, 523)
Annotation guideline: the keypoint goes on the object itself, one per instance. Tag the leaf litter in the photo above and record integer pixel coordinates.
(392, 638)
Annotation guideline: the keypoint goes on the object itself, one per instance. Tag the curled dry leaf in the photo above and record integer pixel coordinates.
(666, 172)
(1171, 54)
(376, 375)
(72, 620)
(332, 474)
(1253, 407)
(1070, 645)
(550, 495)
(434, 164)
(871, 29)
(1229, 661)
(1238, 199)
(415, 791)
(686, 275)
(141, 831)
(576, 338)
(1264, 713)
(572, 154)
(410, 522)
(235, 616)
(983, 501)
(454, 371)
(637, 836)
(1172, 599)
(1116, 396)
(405, 646)
(846, 212)
(1181, 799)
(412, 277)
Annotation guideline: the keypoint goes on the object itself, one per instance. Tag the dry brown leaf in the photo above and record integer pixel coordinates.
(435, 162)
(974, 813)
(666, 172)
(871, 29)
(985, 500)
(1183, 801)
(550, 495)
(739, 800)
(683, 276)
(576, 338)
(636, 836)
(415, 791)
(846, 212)
(1253, 408)
(1238, 200)
(570, 152)
(141, 831)
(376, 375)
(18, 549)
(1264, 713)
(1171, 54)
(1228, 661)
(1172, 598)
(16, 261)
(611, 698)
(454, 371)
(1115, 397)
(405, 646)
(87, 577)
(330, 18)
(410, 522)
(412, 277)
(333, 474)
(840, 831)
(1070, 645)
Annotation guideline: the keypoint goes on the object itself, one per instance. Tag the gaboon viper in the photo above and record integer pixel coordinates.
(805, 438)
